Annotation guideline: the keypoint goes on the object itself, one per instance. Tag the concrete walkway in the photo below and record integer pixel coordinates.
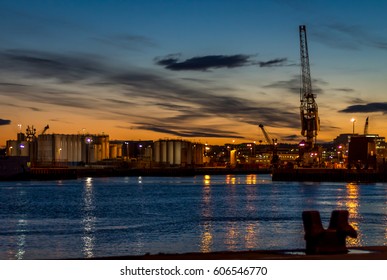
(355, 253)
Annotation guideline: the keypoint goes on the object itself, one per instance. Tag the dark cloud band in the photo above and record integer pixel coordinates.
(273, 63)
(204, 63)
(5, 122)
(367, 108)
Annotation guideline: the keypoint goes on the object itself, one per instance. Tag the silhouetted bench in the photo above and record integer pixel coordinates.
(327, 241)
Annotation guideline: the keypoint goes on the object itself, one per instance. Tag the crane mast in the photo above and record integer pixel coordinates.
(267, 138)
(366, 127)
(273, 145)
(310, 122)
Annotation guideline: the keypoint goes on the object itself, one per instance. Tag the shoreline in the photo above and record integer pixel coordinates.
(329, 175)
(286, 175)
(355, 253)
(68, 173)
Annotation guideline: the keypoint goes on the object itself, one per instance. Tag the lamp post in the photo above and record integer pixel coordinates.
(140, 153)
(127, 150)
(353, 120)
(88, 141)
(60, 155)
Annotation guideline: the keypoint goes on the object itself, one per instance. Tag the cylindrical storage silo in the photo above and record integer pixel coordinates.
(74, 149)
(113, 151)
(119, 151)
(184, 153)
(177, 153)
(157, 154)
(188, 153)
(170, 152)
(56, 147)
(106, 151)
(64, 152)
(163, 151)
(24, 148)
(79, 148)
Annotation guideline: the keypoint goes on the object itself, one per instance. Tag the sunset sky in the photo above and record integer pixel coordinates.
(207, 71)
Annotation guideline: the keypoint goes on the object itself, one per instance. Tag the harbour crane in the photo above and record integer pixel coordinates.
(266, 135)
(273, 145)
(45, 129)
(366, 127)
(310, 122)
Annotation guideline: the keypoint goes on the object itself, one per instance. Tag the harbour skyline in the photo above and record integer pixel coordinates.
(207, 71)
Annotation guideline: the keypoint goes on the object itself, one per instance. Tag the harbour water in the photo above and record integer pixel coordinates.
(98, 217)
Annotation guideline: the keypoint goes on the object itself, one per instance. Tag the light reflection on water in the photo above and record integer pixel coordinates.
(385, 221)
(96, 217)
(251, 238)
(21, 238)
(206, 236)
(89, 219)
(352, 205)
(21, 227)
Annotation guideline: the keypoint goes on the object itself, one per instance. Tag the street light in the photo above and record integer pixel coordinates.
(127, 150)
(353, 120)
(140, 155)
(88, 141)
(59, 153)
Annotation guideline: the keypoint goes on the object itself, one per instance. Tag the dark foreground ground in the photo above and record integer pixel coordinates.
(355, 253)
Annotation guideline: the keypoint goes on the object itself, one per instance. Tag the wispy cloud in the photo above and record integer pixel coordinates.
(146, 99)
(344, 89)
(11, 85)
(64, 68)
(188, 132)
(291, 138)
(128, 42)
(356, 100)
(273, 63)
(293, 85)
(349, 37)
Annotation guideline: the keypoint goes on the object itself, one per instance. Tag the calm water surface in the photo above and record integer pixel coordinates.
(96, 217)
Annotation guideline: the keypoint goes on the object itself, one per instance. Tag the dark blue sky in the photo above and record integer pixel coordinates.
(201, 70)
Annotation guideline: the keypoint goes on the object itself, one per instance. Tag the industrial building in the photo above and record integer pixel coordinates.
(178, 153)
(72, 149)
(362, 152)
(59, 150)
(115, 149)
(19, 147)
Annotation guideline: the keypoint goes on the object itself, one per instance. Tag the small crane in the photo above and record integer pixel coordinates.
(366, 127)
(267, 137)
(273, 144)
(45, 129)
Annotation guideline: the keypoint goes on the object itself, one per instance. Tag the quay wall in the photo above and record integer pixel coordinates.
(329, 175)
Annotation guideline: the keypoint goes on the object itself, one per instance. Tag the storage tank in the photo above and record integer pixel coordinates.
(45, 148)
(177, 152)
(163, 151)
(170, 151)
(113, 151)
(157, 151)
